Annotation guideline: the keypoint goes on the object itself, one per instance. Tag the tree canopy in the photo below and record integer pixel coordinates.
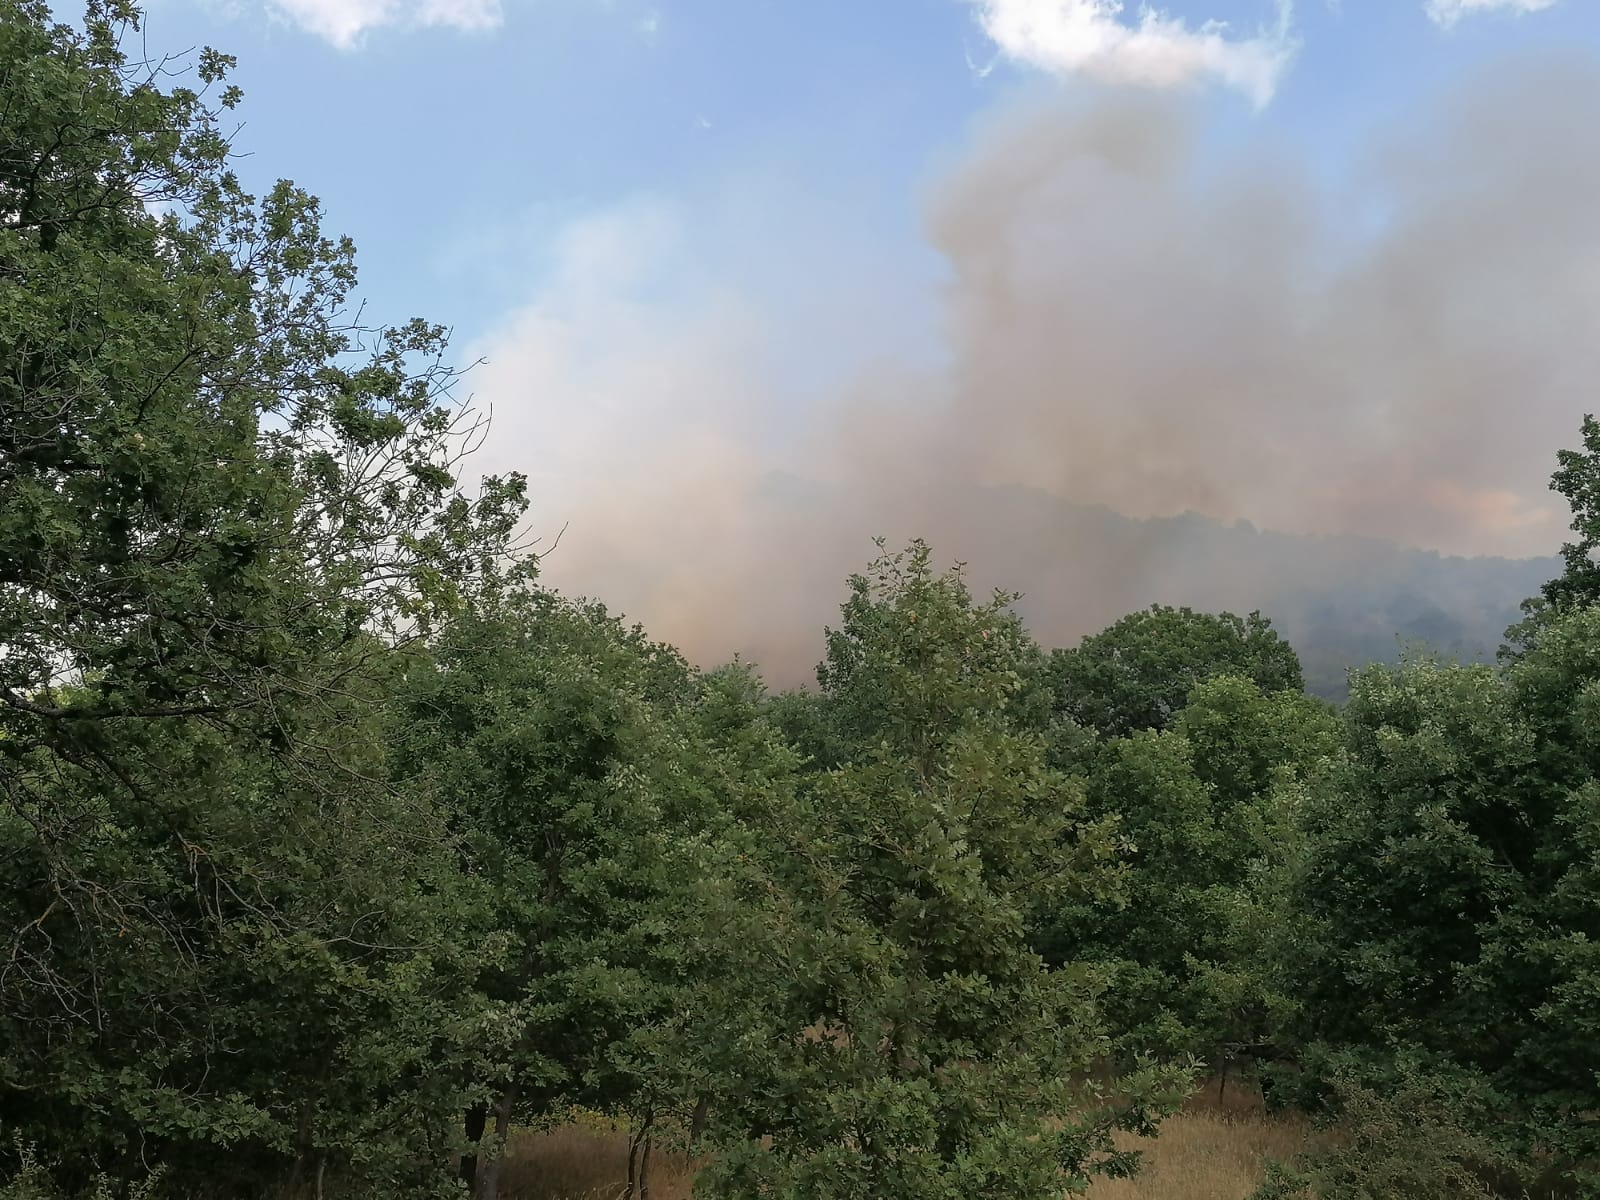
(335, 848)
(1137, 674)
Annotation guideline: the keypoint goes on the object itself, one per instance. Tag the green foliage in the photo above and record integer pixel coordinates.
(209, 473)
(1446, 895)
(1577, 479)
(922, 1049)
(1137, 674)
(551, 736)
(1248, 741)
(1206, 808)
(326, 837)
(810, 724)
(30, 1180)
(223, 506)
(902, 671)
(1411, 1141)
(580, 767)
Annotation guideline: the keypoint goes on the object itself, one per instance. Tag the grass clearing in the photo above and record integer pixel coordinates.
(1205, 1155)
(579, 1162)
(1214, 1150)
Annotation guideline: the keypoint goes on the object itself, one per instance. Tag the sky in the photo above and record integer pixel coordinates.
(749, 282)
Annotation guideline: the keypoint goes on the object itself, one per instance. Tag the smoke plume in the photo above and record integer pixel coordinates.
(1129, 317)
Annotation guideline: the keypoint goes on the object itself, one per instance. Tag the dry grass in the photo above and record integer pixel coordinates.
(1212, 1151)
(578, 1162)
(1205, 1156)
(1216, 1149)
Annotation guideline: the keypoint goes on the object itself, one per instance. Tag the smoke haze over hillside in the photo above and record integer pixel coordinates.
(1396, 353)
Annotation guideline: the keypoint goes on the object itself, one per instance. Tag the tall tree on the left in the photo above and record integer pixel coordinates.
(225, 508)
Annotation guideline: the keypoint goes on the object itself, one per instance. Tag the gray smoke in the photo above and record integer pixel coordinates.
(1132, 319)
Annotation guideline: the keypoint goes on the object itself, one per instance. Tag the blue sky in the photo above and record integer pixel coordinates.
(530, 113)
(756, 280)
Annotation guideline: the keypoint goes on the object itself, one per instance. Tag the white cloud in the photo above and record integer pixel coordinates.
(343, 22)
(1448, 12)
(1090, 37)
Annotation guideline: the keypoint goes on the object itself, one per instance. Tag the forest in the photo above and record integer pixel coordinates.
(336, 849)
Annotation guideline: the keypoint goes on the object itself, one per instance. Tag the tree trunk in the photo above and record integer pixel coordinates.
(639, 1160)
(477, 1118)
(697, 1123)
(305, 1136)
(489, 1171)
(302, 1141)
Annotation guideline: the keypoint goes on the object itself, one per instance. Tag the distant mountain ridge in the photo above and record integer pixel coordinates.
(1341, 600)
